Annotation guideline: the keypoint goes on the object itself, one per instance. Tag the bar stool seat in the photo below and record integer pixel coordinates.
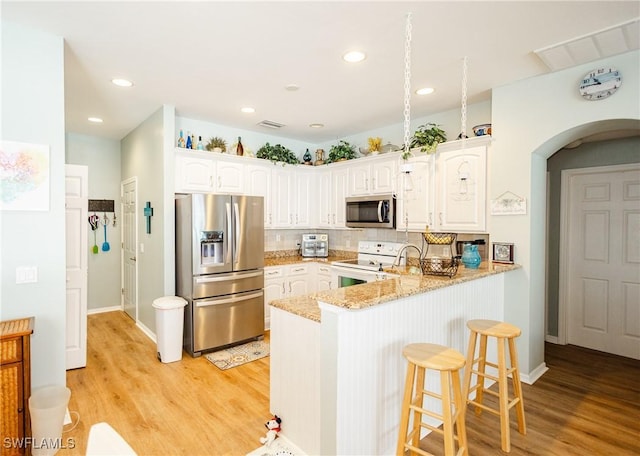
(448, 363)
(504, 333)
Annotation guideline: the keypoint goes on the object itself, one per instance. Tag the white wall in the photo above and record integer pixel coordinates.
(251, 140)
(449, 121)
(143, 157)
(102, 156)
(33, 112)
(532, 119)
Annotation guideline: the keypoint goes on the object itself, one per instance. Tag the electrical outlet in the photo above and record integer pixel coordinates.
(278, 237)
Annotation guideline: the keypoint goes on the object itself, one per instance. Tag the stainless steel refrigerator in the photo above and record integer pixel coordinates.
(219, 268)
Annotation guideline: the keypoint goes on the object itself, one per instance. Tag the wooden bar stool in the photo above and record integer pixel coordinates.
(448, 362)
(503, 332)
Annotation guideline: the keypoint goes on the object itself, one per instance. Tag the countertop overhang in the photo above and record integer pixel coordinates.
(374, 293)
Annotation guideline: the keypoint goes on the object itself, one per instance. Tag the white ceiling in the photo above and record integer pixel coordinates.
(209, 59)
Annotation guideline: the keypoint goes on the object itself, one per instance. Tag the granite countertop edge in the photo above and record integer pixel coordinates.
(374, 293)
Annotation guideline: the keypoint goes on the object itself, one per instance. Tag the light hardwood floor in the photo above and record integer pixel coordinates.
(588, 403)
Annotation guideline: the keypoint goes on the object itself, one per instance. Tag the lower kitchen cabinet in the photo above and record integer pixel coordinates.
(285, 282)
(15, 383)
(323, 277)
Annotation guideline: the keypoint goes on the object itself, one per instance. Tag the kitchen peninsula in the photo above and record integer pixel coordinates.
(337, 371)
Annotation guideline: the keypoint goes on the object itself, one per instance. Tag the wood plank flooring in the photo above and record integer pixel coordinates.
(588, 403)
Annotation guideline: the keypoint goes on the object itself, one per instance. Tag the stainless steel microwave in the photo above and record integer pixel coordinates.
(374, 211)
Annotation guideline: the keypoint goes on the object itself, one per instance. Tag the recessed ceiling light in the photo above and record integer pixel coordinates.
(354, 56)
(316, 125)
(425, 91)
(292, 87)
(248, 110)
(122, 82)
(95, 119)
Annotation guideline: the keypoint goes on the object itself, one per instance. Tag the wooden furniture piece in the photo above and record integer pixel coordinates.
(447, 362)
(15, 384)
(503, 332)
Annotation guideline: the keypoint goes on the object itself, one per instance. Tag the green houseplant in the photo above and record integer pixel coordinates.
(216, 143)
(426, 137)
(277, 153)
(341, 151)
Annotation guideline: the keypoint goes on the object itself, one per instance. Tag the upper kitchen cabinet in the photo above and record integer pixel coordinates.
(194, 172)
(258, 183)
(415, 195)
(333, 183)
(373, 175)
(461, 189)
(205, 172)
(292, 190)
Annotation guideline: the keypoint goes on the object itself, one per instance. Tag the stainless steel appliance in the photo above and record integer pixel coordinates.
(315, 245)
(373, 257)
(219, 261)
(374, 211)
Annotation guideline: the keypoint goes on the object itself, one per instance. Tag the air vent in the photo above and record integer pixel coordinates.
(598, 45)
(270, 124)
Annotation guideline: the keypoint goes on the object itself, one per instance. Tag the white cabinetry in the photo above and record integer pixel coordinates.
(374, 175)
(333, 184)
(194, 173)
(285, 282)
(446, 191)
(323, 277)
(415, 195)
(292, 191)
(258, 183)
(206, 172)
(461, 182)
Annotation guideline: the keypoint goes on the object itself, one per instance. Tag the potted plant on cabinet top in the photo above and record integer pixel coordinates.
(426, 137)
(277, 153)
(217, 144)
(341, 151)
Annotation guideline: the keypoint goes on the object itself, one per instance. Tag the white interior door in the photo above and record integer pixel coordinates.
(602, 254)
(129, 248)
(76, 226)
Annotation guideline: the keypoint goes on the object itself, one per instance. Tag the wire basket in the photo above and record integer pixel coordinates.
(439, 238)
(440, 266)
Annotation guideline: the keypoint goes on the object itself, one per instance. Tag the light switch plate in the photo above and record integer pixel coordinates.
(26, 274)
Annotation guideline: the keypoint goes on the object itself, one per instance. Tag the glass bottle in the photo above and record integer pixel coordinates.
(240, 147)
(193, 141)
(188, 143)
(307, 157)
(181, 142)
(200, 146)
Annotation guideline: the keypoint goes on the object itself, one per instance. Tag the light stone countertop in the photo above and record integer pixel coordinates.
(287, 260)
(374, 293)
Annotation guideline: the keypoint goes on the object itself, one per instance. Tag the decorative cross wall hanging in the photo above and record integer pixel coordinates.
(148, 213)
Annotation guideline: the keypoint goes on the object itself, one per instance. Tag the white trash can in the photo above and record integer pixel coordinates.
(169, 326)
(47, 407)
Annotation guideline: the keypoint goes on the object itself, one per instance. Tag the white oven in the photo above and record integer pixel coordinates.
(346, 276)
(373, 256)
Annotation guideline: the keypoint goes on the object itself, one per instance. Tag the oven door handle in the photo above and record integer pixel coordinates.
(230, 300)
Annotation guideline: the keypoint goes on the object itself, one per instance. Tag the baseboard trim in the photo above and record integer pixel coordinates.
(100, 310)
(551, 339)
(150, 334)
(534, 375)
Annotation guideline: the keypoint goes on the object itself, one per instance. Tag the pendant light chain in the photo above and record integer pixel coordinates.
(407, 84)
(463, 108)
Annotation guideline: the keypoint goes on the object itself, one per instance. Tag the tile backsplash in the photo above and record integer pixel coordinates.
(275, 240)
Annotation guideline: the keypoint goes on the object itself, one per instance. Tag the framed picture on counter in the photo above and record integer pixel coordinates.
(503, 252)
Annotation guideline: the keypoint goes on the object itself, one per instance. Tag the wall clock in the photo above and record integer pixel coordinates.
(600, 83)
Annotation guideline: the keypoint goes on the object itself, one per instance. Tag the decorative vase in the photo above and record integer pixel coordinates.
(470, 256)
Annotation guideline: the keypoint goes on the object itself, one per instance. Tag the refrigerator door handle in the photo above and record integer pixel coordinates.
(231, 300)
(225, 278)
(229, 246)
(236, 239)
